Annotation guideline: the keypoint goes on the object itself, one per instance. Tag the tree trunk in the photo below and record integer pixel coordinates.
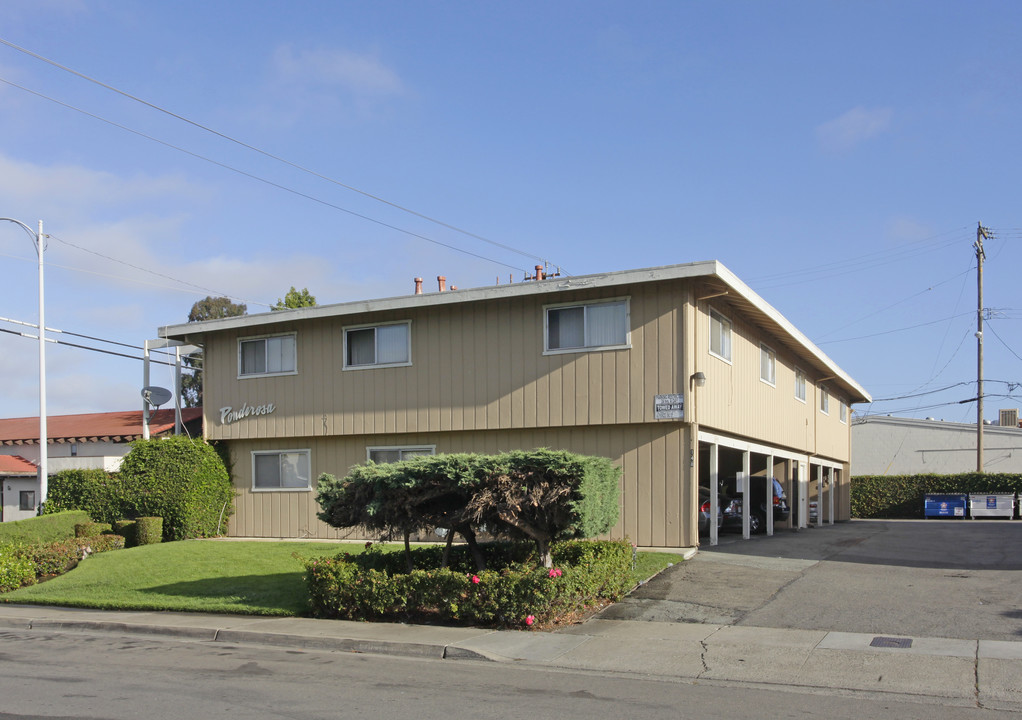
(545, 556)
(408, 550)
(470, 537)
(447, 548)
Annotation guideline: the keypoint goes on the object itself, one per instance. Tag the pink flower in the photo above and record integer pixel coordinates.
(555, 572)
(475, 579)
(530, 619)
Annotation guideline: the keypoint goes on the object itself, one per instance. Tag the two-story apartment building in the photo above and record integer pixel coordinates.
(680, 374)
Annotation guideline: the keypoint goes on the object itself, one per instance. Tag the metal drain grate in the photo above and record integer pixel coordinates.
(891, 642)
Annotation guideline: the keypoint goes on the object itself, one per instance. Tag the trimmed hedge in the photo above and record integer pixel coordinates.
(373, 585)
(902, 496)
(22, 564)
(148, 530)
(43, 529)
(184, 481)
(94, 491)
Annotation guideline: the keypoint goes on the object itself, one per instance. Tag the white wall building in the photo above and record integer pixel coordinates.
(884, 445)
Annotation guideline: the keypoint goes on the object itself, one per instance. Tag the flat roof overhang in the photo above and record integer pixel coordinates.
(712, 272)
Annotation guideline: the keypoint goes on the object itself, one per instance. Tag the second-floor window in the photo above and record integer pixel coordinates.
(720, 336)
(273, 355)
(824, 400)
(589, 326)
(767, 365)
(800, 384)
(377, 346)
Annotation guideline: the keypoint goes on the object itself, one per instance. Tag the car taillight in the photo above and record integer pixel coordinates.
(705, 507)
(777, 500)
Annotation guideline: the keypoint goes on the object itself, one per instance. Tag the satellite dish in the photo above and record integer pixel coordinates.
(156, 396)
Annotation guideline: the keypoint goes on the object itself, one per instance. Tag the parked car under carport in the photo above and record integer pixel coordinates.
(732, 505)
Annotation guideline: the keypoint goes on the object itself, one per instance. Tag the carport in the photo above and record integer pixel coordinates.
(732, 461)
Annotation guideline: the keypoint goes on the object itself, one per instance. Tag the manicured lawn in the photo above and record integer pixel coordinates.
(251, 578)
(254, 578)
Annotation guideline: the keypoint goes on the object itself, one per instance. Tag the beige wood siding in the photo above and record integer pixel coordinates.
(658, 503)
(477, 366)
(736, 401)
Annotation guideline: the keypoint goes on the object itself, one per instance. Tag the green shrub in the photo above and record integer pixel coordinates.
(16, 570)
(184, 481)
(519, 594)
(95, 491)
(88, 529)
(903, 496)
(539, 495)
(59, 557)
(45, 528)
(148, 530)
(126, 529)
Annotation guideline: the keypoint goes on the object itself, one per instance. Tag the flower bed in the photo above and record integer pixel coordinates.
(513, 592)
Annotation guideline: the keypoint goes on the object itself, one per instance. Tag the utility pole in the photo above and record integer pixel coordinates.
(981, 234)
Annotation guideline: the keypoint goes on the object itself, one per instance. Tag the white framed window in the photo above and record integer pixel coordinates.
(824, 400)
(720, 336)
(767, 365)
(390, 454)
(374, 346)
(576, 327)
(800, 384)
(267, 355)
(26, 500)
(843, 412)
(281, 470)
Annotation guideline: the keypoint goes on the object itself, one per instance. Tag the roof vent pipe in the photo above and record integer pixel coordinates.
(441, 282)
(418, 286)
(540, 275)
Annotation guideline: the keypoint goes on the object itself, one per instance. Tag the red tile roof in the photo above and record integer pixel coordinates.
(16, 465)
(117, 426)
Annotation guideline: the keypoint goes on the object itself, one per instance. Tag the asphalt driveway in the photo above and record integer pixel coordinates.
(925, 578)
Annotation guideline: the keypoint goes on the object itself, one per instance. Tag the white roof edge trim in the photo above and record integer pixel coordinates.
(767, 309)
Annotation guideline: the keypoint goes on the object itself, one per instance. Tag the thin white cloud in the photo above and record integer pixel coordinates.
(325, 84)
(853, 127)
(359, 74)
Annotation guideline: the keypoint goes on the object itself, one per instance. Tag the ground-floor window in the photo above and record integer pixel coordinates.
(281, 470)
(26, 500)
(396, 454)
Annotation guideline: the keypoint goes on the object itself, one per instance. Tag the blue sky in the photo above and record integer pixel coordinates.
(836, 156)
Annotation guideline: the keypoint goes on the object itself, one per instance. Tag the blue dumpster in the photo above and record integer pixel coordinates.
(940, 505)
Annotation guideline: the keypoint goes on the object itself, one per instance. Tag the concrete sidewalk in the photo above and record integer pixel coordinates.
(950, 671)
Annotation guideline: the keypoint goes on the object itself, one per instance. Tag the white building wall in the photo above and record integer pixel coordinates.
(11, 492)
(908, 446)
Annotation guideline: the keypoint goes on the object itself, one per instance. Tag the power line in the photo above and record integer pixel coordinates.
(257, 178)
(277, 158)
(153, 272)
(83, 347)
(889, 332)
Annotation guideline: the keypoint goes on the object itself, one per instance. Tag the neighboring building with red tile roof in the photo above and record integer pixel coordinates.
(87, 441)
(19, 480)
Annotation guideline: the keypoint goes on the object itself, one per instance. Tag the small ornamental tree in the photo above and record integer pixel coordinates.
(539, 495)
(546, 496)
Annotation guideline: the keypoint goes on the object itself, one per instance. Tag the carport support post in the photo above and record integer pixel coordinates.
(819, 495)
(831, 487)
(714, 493)
(770, 496)
(746, 500)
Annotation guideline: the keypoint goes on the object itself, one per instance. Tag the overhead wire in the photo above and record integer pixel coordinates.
(280, 159)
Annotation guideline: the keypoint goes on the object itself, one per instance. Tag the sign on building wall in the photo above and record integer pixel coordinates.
(229, 415)
(669, 407)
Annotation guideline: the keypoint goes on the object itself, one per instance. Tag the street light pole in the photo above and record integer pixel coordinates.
(43, 437)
